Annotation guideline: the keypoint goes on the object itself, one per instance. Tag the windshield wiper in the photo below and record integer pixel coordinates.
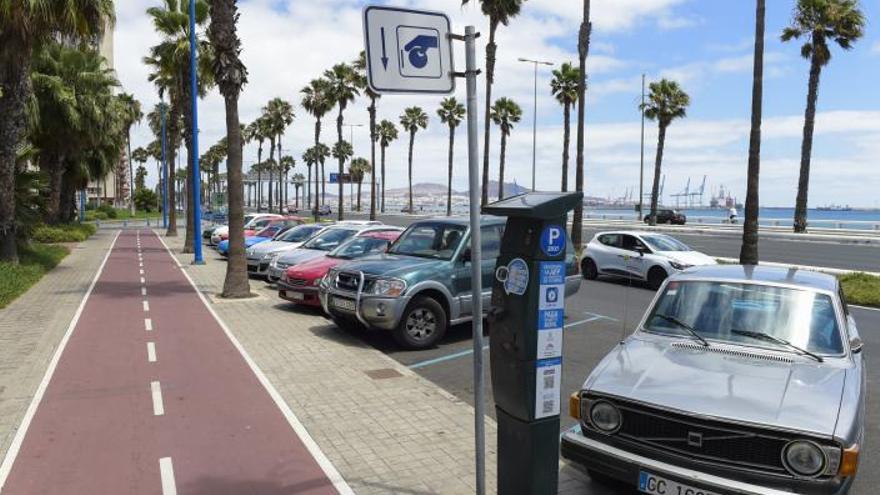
(675, 321)
(770, 338)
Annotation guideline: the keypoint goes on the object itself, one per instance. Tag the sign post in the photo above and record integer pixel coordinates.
(410, 52)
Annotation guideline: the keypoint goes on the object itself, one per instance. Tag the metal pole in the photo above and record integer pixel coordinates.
(476, 257)
(642, 172)
(164, 178)
(82, 205)
(196, 183)
(534, 129)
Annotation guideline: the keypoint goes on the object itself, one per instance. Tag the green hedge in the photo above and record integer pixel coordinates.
(861, 289)
(50, 234)
(34, 261)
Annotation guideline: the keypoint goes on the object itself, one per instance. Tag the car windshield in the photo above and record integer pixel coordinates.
(729, 312)
(259, 223)
(269, 231)
(430, 240)
(359, 246)
(664, 243)
(299, 234)
(329, 239)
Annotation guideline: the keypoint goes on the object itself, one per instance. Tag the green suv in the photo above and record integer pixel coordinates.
(422, 284)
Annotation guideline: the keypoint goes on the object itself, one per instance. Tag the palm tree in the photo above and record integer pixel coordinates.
(286, 165)
(666, 102)
(255, 131)
(577, 221)
(564, 87)
(387, 133)
(132, 115)
(317, 101)
(265, 130)
(505, 113)
(499, 12)
(358, 168)
(342, 151)
(343, 80)
(23, 25)
(748, 254)
(140, 156)
(451, 113)
(298, 182)
(172, 139)
(412, 119)
(170, 64)
(819, 21)
(316, 155)
(361, 66)
(280, 115)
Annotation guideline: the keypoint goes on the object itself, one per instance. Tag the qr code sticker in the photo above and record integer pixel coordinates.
(549, 381)
(547, 406)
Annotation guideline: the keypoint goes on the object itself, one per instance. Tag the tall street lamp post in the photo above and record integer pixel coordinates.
(196, 183)
(536, 63)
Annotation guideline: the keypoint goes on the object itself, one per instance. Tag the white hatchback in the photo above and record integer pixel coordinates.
(638, 255)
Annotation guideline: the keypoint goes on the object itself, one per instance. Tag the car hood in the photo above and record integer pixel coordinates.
(313, 268)
(803, 394)
(274, 247)
(693, 258)
(394, 265)
(297, 256)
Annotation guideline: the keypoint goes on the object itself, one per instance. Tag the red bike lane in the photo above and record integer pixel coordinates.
(150, 396)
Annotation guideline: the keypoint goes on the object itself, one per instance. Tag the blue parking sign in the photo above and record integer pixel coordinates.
(553, 240)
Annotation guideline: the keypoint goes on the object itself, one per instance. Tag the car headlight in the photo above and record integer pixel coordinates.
(318, 281)
(804, 458)
(388, 287)
(605, 416)
(679, 266)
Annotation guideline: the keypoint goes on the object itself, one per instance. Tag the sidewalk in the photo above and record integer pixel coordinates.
(384, 428)
(33, 325)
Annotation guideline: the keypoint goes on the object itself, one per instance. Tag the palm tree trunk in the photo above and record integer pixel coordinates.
(55, 166)
(271, 170)
(383, 180)
(577, 223)
(236, 284)
(361, 181)
(501, 165)
(566, 139)
(259, 184)
(317, 194)
(655, 189)
(15, 81)
(191, 202)
(449, 181)
(171, 155)
(339, 121)
(372, 110)
(748, 254)
(800, 206)
(307, 194)
(412, 138)
(321, 164)
(491, 49)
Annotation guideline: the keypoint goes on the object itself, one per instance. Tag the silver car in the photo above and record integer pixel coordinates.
(260, 255)
(746, 380)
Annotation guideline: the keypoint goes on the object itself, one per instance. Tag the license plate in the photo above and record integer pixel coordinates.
(299, 296)
(656, 485)
(346, 304)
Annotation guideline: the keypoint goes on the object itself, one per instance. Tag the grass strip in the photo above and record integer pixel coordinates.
(35, 261)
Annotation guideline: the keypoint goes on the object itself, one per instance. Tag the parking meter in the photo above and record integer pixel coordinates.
(526, 338)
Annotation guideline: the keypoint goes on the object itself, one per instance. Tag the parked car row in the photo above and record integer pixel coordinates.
(414, 283)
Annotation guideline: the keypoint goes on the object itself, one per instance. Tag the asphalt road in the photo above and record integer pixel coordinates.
(598, 317)
(830, 254)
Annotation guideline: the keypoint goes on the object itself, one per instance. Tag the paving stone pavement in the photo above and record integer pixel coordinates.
(33, 325)
(402, 434)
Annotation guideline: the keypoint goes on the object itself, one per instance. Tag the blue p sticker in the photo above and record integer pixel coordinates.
(553, 240)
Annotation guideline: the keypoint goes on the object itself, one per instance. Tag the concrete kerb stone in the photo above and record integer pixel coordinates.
(373, 430)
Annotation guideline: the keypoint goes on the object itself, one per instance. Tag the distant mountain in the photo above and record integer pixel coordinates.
(430, 188)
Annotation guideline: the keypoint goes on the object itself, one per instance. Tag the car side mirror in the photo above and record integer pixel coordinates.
(856, 345)
(466, 256)
(640, 250)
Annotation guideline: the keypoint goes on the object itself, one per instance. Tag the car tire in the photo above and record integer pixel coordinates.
(589, 269)
(423, 323)
(656, 276)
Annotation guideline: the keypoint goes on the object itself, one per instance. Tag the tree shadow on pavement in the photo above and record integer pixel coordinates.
(226, 486)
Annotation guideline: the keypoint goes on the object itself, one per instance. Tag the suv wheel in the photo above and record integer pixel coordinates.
(422, 325)
(589, 270)
(656, 276)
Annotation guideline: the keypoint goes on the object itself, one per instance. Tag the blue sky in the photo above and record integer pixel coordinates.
(705, 45)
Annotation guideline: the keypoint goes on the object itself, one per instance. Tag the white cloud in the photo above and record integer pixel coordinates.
(876, 47)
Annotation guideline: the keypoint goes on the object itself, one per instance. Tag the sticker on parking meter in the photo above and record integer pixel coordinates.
(551, 297)
(514, 276)
(548, 378)
(553, 240)
(550, 333)
(551, 272)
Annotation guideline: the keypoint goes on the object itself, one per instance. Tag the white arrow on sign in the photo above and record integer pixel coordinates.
(408, 51)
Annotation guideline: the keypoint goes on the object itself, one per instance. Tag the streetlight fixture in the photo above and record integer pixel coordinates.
(536, 63)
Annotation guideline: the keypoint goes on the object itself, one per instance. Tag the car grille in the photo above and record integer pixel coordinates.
(716, 442)
(282, 265)
(297, 282)
(347, 281)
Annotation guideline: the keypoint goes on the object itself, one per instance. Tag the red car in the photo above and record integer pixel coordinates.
(300, 283)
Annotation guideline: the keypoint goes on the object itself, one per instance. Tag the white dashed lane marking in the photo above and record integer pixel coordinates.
(148, 324)
(143, 291)
(151, 352)
(146, 306)
(158, 406)
(166, 470)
